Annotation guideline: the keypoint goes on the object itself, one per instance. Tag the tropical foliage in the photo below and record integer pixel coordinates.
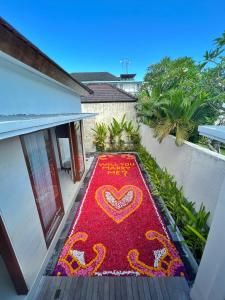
(192, 223)
(119, 135)
(116, 129)
(178, 95)
(100, 135)
(133, 135)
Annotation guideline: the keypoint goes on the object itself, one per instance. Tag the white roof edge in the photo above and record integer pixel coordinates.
(18, 125)
(28, 68)
(214, 132)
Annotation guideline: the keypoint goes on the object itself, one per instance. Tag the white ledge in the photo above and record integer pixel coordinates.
(15, 125)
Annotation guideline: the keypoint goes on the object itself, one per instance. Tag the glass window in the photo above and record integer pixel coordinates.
(41, 164)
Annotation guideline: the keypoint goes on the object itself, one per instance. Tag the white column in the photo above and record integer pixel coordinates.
(210, 280)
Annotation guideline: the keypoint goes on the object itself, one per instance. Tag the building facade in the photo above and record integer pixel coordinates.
(125, 82)
(42, 159)
(107, 101)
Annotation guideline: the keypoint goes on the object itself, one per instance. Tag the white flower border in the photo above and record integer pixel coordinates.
(117, 273)
(152, 200)
(83, 200)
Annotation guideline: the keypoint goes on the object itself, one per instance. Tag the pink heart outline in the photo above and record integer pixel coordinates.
(119, 215)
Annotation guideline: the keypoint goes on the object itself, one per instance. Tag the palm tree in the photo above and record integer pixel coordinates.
(174, 114)
(178, 95)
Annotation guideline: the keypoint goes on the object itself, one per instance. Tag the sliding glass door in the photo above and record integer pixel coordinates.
(40, 159)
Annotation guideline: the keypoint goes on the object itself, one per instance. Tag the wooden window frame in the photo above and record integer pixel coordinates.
(50, 231)
(73, 166)
(82, 144)
(74, 150)
(11, 262)
(59, 152)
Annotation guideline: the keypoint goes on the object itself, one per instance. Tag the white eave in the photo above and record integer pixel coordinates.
(15, 125)
(31, 71)
(213, 132)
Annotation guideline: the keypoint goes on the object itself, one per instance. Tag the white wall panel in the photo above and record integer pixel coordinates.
(27, 91)
(106, 111)
(201, 172)
(19, 211)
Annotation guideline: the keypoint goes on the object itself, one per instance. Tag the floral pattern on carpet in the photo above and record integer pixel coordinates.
(118, 230)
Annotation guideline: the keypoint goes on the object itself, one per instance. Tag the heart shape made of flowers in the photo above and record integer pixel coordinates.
(119, 204)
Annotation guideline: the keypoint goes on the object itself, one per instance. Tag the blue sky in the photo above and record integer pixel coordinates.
(96, 35)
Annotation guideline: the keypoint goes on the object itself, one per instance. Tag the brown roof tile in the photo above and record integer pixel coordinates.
(95, 76)
(104, 92)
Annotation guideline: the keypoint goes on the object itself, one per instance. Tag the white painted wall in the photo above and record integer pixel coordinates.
(106, 111)
(24, 90)
(19, 213)
(18, 210)
(132, 87)
(27, 91)
(209, 282)
(7, 290)
(201, 172)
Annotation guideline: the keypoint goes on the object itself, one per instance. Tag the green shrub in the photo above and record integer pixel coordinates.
(116, 129)
(192, 224)
(122, 136)
(100, 135)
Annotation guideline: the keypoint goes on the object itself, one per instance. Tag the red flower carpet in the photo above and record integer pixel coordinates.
(118, 230)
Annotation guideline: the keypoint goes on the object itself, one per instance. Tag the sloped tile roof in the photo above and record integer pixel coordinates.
(104, 92)
(95, 76)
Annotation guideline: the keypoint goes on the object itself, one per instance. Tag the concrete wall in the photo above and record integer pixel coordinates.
(27, 91)
(209, 282)
(106, 112)
(19, 213)
(201, 172)
(7, 290)
(18, 209)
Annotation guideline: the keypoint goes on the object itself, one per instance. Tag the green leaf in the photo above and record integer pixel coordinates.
(198, 234)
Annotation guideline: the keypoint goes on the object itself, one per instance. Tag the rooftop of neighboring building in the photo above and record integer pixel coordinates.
(102, 77)
(105, 92)
(94, 76)
(127, 76)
